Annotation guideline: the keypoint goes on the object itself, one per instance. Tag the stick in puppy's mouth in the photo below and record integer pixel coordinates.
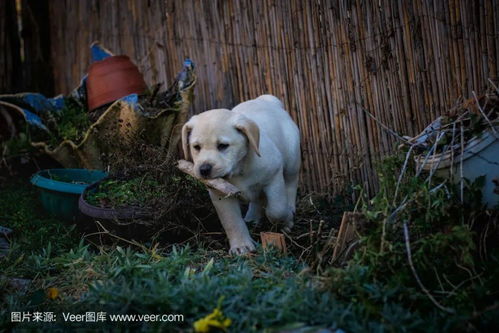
(218, 184)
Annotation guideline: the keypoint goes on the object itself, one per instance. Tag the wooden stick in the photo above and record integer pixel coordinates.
(218, 184)
(347, 233)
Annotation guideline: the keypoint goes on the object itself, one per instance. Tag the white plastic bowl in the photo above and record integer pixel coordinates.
(480, 158)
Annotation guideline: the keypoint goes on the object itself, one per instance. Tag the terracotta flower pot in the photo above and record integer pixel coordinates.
(111, 79)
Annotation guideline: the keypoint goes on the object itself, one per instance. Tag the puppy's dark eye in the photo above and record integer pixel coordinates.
(197, 147)
(222, 146)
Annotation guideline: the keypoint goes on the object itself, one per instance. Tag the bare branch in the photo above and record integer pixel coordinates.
(416, 276)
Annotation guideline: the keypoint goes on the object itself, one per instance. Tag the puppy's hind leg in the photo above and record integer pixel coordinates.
(278, 209)
(254, 213)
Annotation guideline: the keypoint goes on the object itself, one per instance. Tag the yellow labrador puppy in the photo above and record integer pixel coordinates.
(256, 147)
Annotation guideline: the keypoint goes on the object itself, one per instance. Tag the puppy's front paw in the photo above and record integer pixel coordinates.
(242, 247)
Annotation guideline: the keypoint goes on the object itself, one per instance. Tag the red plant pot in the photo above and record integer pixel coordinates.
(111, 79)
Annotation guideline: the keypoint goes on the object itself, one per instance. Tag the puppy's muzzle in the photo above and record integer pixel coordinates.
(205, 170)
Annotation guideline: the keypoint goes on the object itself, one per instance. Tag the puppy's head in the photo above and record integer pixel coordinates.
(217, 140)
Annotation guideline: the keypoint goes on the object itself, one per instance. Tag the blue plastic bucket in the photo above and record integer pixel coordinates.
(60, 189)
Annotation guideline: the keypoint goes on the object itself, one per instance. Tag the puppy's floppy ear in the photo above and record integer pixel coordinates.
(250, 129)
(186, 132)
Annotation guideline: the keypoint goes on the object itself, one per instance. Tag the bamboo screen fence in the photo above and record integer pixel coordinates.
(329, 61)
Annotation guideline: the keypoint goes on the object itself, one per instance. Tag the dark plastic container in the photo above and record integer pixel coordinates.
(125, 222)
(115, 214)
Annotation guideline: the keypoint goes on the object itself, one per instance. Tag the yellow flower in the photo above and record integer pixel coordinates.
(215, 319)
(202, 325)
(52, 293)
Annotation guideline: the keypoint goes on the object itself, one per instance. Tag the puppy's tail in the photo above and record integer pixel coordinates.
(271, 99)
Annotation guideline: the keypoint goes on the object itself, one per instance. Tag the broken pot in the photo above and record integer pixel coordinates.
(111, 79)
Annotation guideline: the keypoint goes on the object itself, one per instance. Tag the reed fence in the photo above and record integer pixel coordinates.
(331, 62)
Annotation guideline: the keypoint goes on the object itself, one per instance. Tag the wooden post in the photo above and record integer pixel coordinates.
(347, 233)
(273, 239)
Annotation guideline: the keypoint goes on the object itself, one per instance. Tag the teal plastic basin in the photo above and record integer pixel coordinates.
(60, 189)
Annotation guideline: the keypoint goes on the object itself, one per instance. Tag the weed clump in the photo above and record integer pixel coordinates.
(424, 250)
(70, 123)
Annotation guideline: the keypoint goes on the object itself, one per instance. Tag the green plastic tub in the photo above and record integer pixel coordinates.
(60, 189)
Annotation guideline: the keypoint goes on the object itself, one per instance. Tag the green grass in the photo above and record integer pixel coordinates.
(264, 291)
(21, 211)
(125, 280)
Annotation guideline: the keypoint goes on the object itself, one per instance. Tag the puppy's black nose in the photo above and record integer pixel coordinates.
(205, 169)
